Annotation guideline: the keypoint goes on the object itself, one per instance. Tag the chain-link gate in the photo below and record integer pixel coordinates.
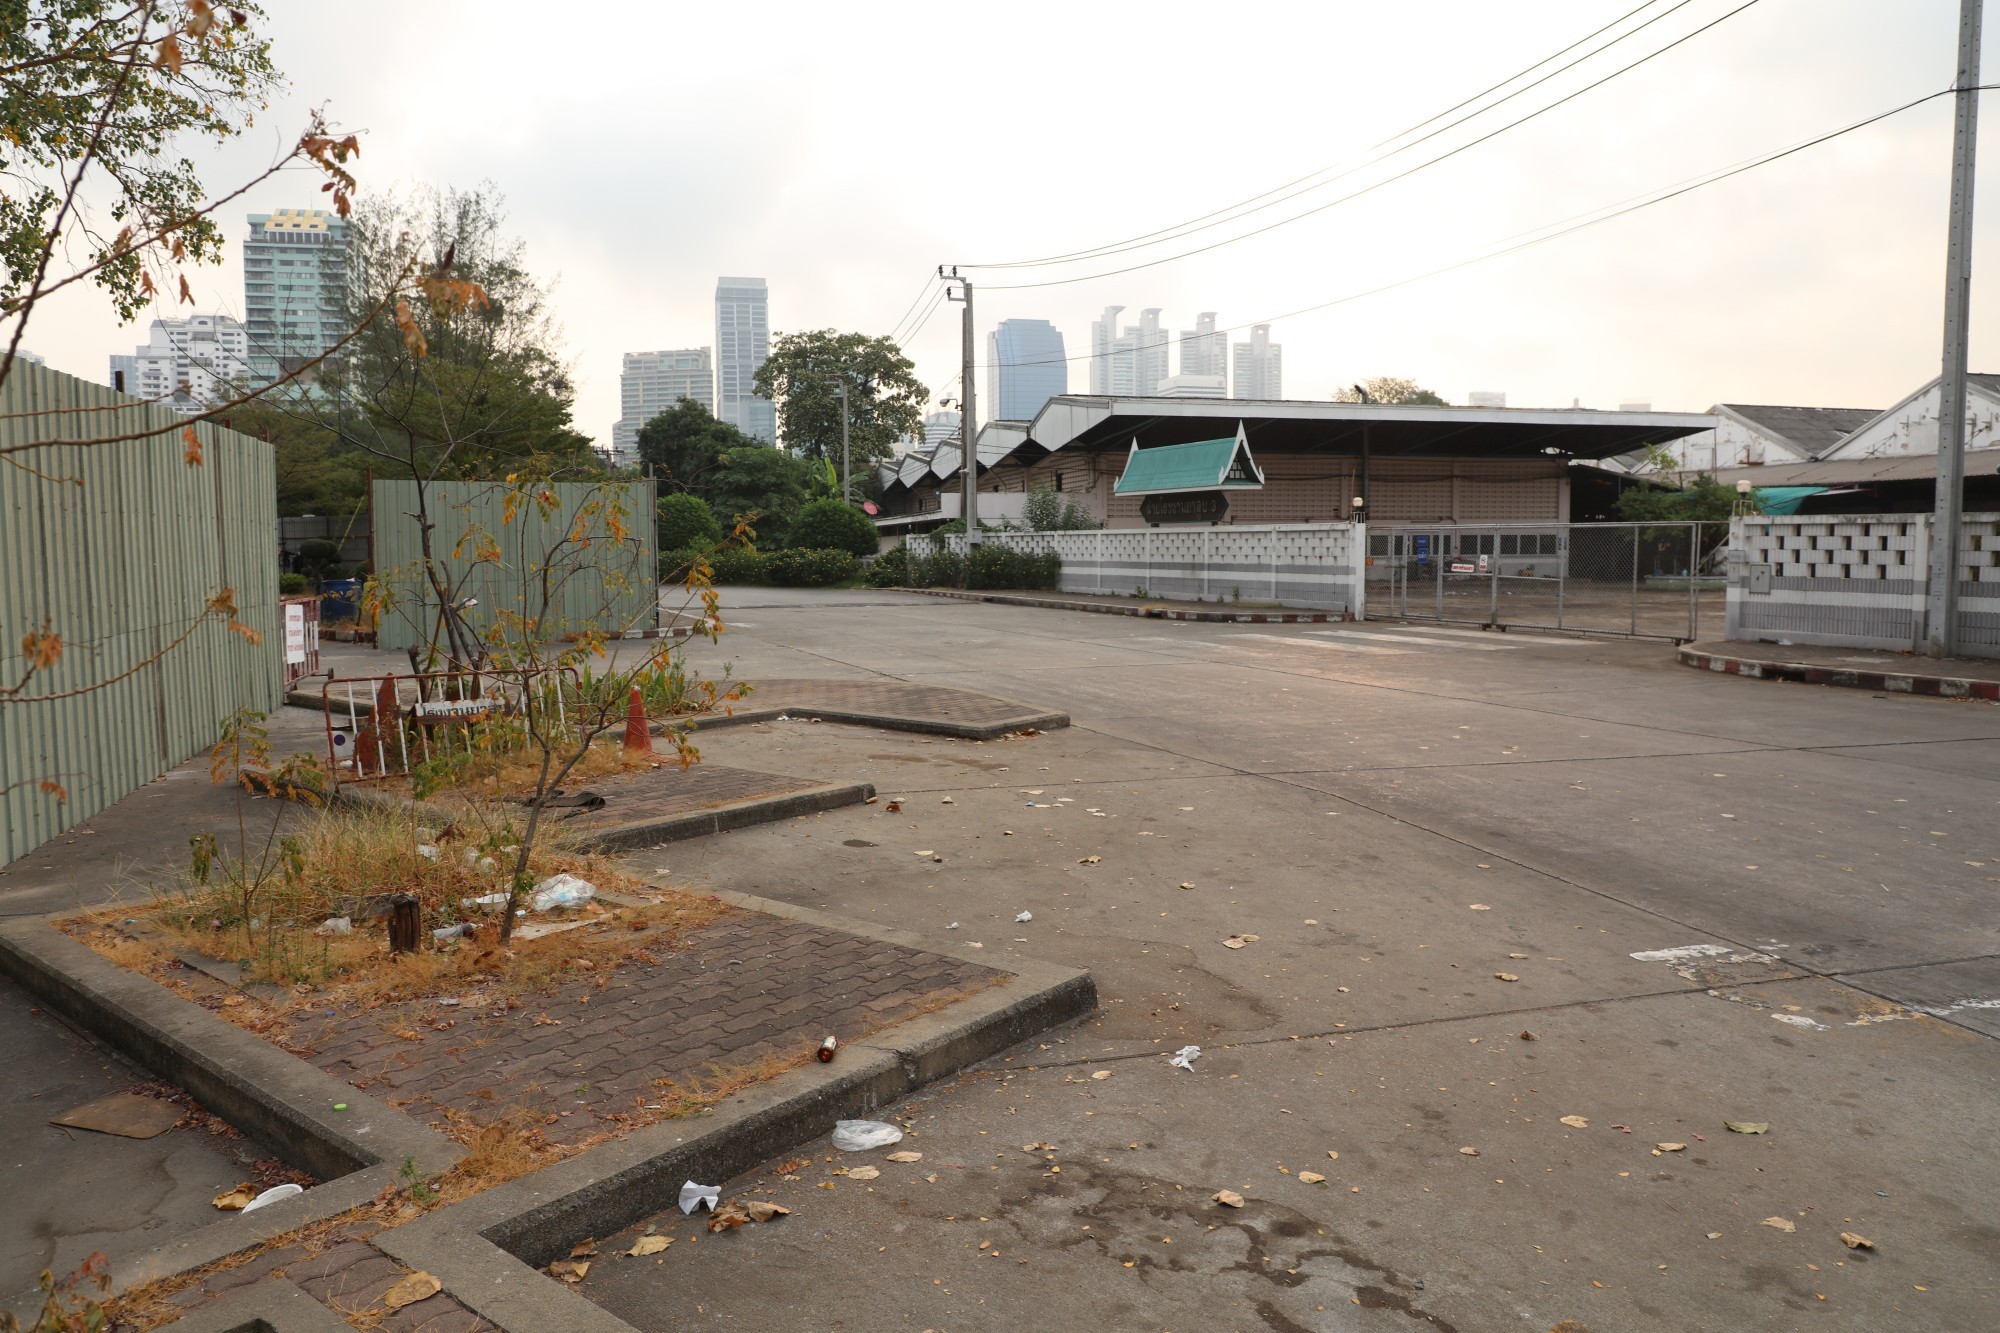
(1642, 580)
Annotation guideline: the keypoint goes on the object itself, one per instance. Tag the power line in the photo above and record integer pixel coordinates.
(1286, 192)
(1573, 224)
(929, 310)
(1370, 189)
(922, 292)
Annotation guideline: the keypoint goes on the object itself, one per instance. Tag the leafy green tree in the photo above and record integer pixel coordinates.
(1048, 510)
(829, 525)
(885, 399)
(1702, 500)
(135, 82)
(1389, 389)
(681, 447)
(686, 523)
(686, 449)
(759, 485)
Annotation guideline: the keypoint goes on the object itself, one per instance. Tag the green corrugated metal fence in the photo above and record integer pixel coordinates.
(603, 581)
(118, 547)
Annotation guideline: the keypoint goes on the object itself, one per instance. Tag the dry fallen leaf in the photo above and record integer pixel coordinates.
(731, 1214)
(1671, 1147)
(232, 1200)
(583, 1249)
(1784, 1224)
(906, 1157)
(1505, 976)
(1577, 1121)
(863, 1173)
(569, 1270)
(1526, 1035)
(1855, 1241)
(762, 1210)
(1470, 1152)
(1311, 1177)
(1481, 907)
(894, 807)
(419, 1285)
(1334, 1155)
(1101, 1075)
(646, 1245)
(1088, 860)
(1747, 1126)
(1229, 1198)
(926, 852)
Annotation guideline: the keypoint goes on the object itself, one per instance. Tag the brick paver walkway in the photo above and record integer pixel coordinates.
(588, 1056)
(348, 1276)
(892, 697)
(668, 791)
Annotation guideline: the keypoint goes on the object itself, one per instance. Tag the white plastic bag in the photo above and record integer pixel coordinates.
(864, 1135)
(336, 925)
(694, 1196)
(272, 1195)
(563, 891)
(1185, 1057)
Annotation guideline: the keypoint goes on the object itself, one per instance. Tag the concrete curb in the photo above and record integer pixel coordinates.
(1881, 682)
(1143, 610)
(929, 726)
(644, 832)
(488, 1248)
(278, 1099)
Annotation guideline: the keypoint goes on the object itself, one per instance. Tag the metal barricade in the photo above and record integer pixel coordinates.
(1632, 580)
(374, 732)
(301, 638)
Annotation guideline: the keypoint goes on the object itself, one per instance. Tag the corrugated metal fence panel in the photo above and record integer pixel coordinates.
(118, 547)
(613, 584)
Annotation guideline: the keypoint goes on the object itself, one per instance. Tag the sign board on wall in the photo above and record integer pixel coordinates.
(295, 632)
(1187, 507)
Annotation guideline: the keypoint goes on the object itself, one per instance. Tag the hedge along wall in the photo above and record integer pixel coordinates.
(120, 566)
(571, 580)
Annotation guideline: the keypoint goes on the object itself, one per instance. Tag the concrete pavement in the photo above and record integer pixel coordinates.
(1400, 815)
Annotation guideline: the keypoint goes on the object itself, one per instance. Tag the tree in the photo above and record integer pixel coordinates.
(1047, 510)
(686, 449)
(1389, 389)
(831, 525)
(1702, 500)
(885, 399)
(686, 523)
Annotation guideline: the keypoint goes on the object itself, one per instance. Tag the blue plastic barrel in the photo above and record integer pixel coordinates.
(339, 599)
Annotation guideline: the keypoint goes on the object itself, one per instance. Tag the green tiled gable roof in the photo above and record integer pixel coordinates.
(1204, 465)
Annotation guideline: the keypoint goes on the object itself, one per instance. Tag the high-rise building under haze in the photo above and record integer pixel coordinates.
(1131, 361)
(294, 290)
(742, 342)
(1259, 366)
(1024, 368)
(652, 382)
(1205, 352)
(188, 365)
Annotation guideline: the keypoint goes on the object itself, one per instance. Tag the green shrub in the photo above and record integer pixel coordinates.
(686, 523)
(830, 525)
(810, 569)
(891, 569)
(935, 569)
(730, 564)
(291, 585)
(995, 566)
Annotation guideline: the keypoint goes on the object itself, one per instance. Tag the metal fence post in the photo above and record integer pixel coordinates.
(1693, 568)
(1493, 610)
(1206, 533)
(1634, 591)
(1100, 560)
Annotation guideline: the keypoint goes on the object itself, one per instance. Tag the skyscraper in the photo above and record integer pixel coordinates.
(189, 365)
(1259, 364)
(742, 342)
(294, 289)
(1203, 350)
(651, 383)
(1131, 361)
(1024, 368)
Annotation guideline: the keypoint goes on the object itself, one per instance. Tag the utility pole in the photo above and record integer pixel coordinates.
(1941, 613)
(846, 489)
(968, 417)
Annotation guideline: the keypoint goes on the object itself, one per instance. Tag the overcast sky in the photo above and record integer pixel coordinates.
(843, 151)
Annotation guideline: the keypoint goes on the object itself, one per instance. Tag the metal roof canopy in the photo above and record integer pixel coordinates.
(1201, 465)
(1391, 429)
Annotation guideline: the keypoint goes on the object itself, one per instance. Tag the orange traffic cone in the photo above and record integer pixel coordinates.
(637, 735)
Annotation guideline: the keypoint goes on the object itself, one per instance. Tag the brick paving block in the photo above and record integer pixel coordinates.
(358, 1286)
(332, 1262)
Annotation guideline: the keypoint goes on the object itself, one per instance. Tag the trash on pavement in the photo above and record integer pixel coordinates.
(827, 1048)
(1024, 916)
(238, 1198)
(1228, 1198)
(1185, 1057)
(563, 891)
(1238, 941)
(694, 1196)
(1784, 1224)
(864, 1135)
(1855, 1241)
(272, 1195)
(336, 925)
(458, 932)
(125, 1114)
(490, 902)
(428, 851)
